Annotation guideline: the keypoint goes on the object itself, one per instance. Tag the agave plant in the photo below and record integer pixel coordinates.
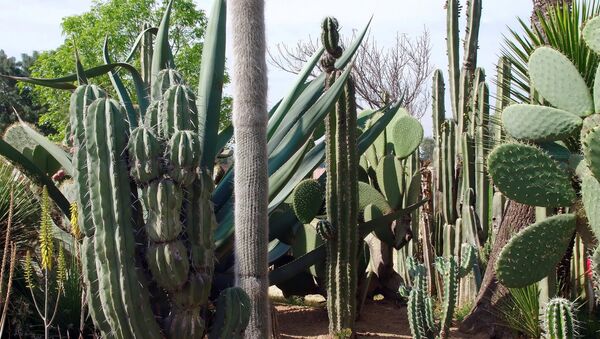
(293, 153)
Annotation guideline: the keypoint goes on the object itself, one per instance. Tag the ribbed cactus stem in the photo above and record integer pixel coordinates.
(503, 79)
(415, 318)
(251, 174)
(453, 42)
(449, 270)
(559, 319)
(482, 146)
(341, 200)
(447, 172)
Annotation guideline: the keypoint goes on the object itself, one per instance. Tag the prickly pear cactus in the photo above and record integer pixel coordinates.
(546, 168)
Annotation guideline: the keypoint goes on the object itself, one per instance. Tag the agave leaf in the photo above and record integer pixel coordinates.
(122, 92)
(162, 58)
(210, 87)
(58, 153)
(138, 41)
(223, 138)
(35, 175)
(297, 89)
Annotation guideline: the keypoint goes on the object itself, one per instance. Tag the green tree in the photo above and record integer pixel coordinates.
(123, 21)
(13, 97)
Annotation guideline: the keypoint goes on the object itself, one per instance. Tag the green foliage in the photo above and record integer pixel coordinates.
(561, 30)
(123, 20)
(21, 99)
(520, 310)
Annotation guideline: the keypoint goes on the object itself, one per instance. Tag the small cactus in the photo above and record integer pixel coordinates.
(559, 319)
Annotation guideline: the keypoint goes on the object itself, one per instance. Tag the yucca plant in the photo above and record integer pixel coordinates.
(520, 310)
(560, 29)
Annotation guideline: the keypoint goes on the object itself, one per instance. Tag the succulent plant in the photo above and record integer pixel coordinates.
(540, 166)
(559, 319)
(420, 309)
(341, 195)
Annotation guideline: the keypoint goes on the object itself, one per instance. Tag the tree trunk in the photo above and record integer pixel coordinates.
(483, 318)
(251, 178)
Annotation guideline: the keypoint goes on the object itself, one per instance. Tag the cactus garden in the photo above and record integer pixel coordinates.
(159, 179)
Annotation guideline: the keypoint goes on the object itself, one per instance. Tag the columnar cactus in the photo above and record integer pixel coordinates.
(559, 319)
(420, 310)
(461, 185)
(341, 192)
(168, 230)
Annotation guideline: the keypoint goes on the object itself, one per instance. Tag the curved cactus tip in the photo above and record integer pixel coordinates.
(330, 36)
(233, 314)
(307, 200)
(325, 229)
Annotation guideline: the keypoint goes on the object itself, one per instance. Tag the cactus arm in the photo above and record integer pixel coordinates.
(452, 40)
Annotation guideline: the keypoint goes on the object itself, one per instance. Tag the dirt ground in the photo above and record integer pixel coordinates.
(379, 319)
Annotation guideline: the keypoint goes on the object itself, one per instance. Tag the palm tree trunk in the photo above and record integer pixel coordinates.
(251, 178)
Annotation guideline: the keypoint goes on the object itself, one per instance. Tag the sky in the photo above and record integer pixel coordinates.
(35, 25)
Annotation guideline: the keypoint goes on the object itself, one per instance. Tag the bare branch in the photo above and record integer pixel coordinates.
(382, 75)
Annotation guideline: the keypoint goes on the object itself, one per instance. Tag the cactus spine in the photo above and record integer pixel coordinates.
(251, 178)
(559, 319)
(341, 193)
(420, 310)
(168, 230)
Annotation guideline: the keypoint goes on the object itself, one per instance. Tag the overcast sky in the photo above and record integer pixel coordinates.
(29, 25)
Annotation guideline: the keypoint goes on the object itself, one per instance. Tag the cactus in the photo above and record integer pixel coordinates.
(535, 250)
(307, 200)
(420, 311)
(559, 319)
(542, 173)
(341, 196)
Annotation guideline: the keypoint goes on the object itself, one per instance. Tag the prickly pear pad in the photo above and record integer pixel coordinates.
(528, 175)
(539, 123)
(535, 251)
(557, 80)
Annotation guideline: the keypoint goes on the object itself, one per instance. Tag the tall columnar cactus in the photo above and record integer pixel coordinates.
(559, 319)
(168, 230)
(538, 167)
(250, 117)
(420, 310)
(461, 185)
(341, 192)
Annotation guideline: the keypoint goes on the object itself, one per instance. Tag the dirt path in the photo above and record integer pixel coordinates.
(379, 319)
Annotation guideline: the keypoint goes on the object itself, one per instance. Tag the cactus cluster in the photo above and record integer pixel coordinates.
(540, 164)
(168, 230)
(341, 194)
(420, 309)
(460, 184)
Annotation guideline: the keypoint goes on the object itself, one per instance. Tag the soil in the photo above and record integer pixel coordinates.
(379, 319)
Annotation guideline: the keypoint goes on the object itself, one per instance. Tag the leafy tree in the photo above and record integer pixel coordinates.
(121, 21)
(13, 97)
